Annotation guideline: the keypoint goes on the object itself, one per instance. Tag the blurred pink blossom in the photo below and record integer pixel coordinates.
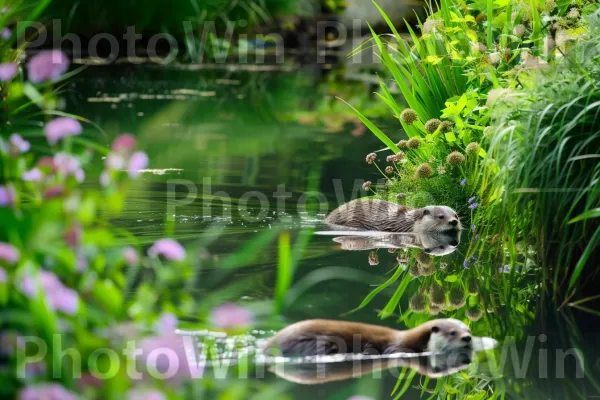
(18, 144)
(62, 127)
(47, 65)
(8, 195)
(73, 235)
(9, 253)
(33, 175)
(168, 248)
(145, 394)
(3, 275)
(124, 143)
(168, 355)
(131, 256)
(46, 391)
(54, 191)
(166, 324)
(105, 178)
(68, 165)
(6, 34)
(137, 162)
(8, 71)
(231, 316)
(115, 161)
(58, 296)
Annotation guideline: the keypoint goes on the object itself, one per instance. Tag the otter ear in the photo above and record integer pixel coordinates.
(435, 329)
(426, 212)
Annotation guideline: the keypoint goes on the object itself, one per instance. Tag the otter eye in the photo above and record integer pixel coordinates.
(435, 329)
(426, 212)
(442, 247)
(441, 217)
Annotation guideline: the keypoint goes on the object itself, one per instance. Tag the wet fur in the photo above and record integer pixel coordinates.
(326, 337)
(434, 243)
(380, 215)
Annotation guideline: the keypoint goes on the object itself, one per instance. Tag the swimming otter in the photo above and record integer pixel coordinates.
(380, 215)
(434, 243)
(326, 337)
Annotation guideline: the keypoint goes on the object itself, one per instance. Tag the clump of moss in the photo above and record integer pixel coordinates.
(408, 116)
(474, 313)
(457, 297)
(414, 143)
(472, 148)
(418, 303)
(424, 171)
(432, 125)
(455, 158)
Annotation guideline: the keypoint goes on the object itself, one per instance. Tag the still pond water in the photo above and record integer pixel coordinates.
(221, 138)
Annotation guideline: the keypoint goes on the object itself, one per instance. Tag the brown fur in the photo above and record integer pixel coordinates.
(326, 337)
(371, 214)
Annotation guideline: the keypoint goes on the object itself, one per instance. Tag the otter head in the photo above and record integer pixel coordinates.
(448, 334)
(440, 243)
(437, 219)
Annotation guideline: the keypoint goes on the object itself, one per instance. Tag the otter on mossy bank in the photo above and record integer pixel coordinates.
(326, 337)
(380, 215)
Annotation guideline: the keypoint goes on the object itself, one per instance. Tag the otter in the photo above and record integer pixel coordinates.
(326, 337)
(442, 347)
(380, 215)
(434, 243)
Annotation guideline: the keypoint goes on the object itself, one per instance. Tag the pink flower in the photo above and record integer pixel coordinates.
(18, 144)
(47, 65)
(73, 235)
(141, 394)
(9, 253)
(64, 299)
(46, 391)
(3, 275)
(62, 127)
(137, 162)
(170, 356)
(131, 256)
(8, 71)
(33, 175)
(166, 324)
(124, 143)
(168, 248)
(69, 166)
(231, 316)
(8, 196)
(105, 178)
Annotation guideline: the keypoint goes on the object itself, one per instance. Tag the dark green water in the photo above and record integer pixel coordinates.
(224, 134)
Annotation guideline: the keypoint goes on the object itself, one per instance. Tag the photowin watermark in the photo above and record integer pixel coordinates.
(189, 357)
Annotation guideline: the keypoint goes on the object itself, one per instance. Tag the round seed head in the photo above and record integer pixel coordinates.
(455, 158)
(424, 171)
(456, 296)
(472, 148)
(414, 143)
(408, 116)
(370, 158)
(474, 313)
(432, 125)
(418, 303)
(403, 144)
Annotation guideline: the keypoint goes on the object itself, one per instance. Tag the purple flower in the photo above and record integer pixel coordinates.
(168, 248)
(18, 144)
(474, 206)
(6, 34)
(8, 195)
(472, 199)
(124, 143)
(105, 178)
(466, 264)
(473, 227)
(231, 316)
(166, 324)
(62, 127)
(476, 237)
(137, 162)
(58, 296)
(3, 275)
(33, 175)
(131, 256)
(64, 299)
(9, 253)
(463, 182)
(68, 165)
(115, 161)
(47, 65)
(505, 269)
(141, 394)
(46, 391)
(8, 71)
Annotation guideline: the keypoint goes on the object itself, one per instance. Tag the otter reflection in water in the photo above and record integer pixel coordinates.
(336, 350)
(434, 243)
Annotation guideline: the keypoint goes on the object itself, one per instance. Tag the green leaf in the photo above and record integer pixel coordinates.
(595, 213)
(451, 278)
(450, 137)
